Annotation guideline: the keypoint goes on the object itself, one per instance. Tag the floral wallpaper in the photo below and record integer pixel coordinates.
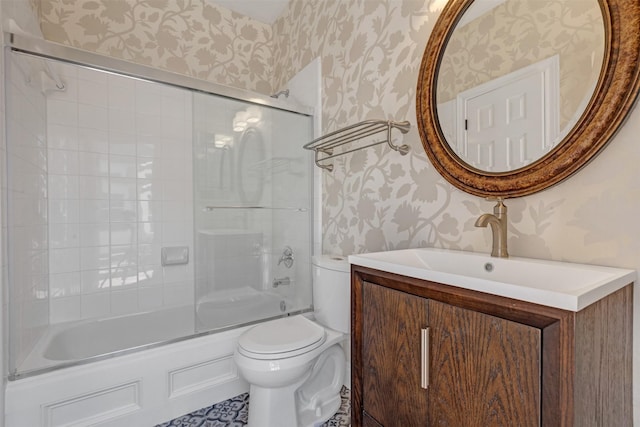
(519, 33)
(192, 37)
(370, 50)
(370, 54)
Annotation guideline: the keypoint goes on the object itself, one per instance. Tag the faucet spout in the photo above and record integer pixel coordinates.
(498, 223)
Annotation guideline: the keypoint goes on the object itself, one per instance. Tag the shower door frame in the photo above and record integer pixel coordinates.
(54, 51)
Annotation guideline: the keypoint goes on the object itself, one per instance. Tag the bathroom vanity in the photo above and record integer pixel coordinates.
(448, 338)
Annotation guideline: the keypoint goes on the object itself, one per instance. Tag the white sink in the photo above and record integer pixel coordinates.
(556, 284)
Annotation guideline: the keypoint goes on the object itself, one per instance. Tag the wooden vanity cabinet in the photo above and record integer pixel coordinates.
(488, 361)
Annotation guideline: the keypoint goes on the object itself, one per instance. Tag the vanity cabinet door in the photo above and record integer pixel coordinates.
(391, 324)
(482, 370)
(485, 371)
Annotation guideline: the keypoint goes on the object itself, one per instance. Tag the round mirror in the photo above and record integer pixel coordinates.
(516, 95)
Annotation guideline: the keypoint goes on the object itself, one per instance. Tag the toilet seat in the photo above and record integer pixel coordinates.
(281, 338)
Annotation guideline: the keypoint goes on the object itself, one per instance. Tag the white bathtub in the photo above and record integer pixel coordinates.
(139, 388)
(70, 343)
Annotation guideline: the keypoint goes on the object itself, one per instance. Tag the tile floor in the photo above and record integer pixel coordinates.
(234, 412)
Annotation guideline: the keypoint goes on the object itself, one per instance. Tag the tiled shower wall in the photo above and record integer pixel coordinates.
(120, 186)
(26, 188)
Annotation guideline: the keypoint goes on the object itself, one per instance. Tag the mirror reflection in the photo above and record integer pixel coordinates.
(515, 77)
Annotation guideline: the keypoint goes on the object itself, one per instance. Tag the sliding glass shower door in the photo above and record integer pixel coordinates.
(252, 184)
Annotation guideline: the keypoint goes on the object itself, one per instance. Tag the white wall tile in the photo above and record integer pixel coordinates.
(62, 112)
(149, 146)
(123, 166)
(95, 258)
(93, 211)
(64, 236)
(123, 211)
(150, 210)
(93, 164)
(62, 137)
(173, 210)
(62, 211)
(63, 162)
(123, 278)
(149, 167)
(64, 260)
(149, 124)
(121, 143)
(122, 122)
(121, 97)
(65, 309)
(150, 276)
(64, 284)
(124, 256)
(92, 93)
(93, 188)
(94, 234)
(148, 98)
(150, 232)
(174, 190)
(124, 188)
(95, 281)
(124, 233)
(93, 140)
(63, 187)
(175, 232)
(150, 189)
(93, 117)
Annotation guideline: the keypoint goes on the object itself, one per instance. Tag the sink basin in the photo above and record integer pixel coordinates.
(562, 285)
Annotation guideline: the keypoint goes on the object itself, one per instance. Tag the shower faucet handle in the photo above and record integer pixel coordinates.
(286, 257)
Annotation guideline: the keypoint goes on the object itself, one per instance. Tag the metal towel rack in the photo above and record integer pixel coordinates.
(325, 145)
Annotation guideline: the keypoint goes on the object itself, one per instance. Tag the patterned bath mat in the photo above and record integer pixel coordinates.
(234, 413)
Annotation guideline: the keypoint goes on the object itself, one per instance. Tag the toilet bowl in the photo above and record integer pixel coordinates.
(296, 366)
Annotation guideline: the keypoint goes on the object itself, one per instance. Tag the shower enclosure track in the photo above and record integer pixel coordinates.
(55, 51)
(213, 208)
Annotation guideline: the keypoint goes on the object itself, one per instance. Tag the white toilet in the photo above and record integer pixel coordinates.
(296, 366)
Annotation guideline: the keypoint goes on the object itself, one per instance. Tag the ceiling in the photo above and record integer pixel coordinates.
(266, 11)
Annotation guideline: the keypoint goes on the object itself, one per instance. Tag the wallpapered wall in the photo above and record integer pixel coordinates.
(191, 37)
(370, 51)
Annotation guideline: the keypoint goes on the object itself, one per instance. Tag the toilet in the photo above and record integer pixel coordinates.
(296, 366)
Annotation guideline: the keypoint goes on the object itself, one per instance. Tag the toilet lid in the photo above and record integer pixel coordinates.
(282, 336)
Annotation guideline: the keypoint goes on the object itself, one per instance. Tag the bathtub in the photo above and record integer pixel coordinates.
(108, 380)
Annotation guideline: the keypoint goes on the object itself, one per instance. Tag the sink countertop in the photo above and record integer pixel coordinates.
(563, 285)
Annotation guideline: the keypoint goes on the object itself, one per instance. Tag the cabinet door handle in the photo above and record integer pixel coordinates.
(424, 353)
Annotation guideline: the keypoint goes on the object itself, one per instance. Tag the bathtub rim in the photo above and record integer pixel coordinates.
(16, 376)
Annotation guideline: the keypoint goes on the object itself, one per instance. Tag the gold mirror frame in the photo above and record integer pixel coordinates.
(610, 104)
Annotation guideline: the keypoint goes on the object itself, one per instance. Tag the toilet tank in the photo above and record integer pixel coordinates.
(332, 292)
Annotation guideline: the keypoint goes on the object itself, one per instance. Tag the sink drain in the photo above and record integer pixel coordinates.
(488, 267)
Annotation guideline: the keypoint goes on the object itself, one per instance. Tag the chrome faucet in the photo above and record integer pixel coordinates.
(498, 223)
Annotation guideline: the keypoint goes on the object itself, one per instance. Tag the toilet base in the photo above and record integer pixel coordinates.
(305, 403)
(272, 406)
